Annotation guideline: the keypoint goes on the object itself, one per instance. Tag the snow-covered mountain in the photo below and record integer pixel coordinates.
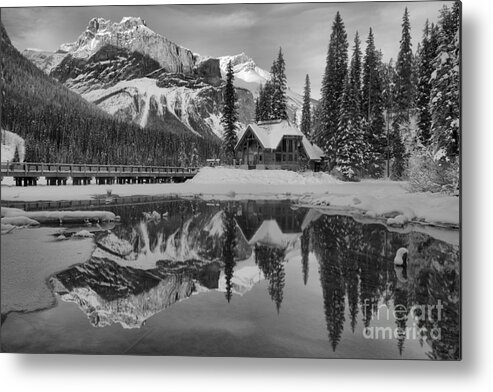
(139, 75)
(130, 33)
(250, 76)
(244, 68)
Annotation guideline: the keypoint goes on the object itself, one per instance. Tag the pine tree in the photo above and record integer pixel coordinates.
(306, 116)
(415, 77)
(445, 82)
(403, 98)
(194, 155)
(372, 110)
(257, 107)
(265, 102)
(428, 50)
(182, 154)
(355, 69)
(230, 116)
(351, 146)
(278, 78)
(399, 155)
(332, 90)
(404, 68)
(388, 97)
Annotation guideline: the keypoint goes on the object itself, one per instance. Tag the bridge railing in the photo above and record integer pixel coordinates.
(68, 169)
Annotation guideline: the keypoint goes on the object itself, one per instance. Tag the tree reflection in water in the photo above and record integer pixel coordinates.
(355, 264)
(349, 252)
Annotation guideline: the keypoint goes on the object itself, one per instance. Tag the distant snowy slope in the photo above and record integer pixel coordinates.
(250, 76)
(244, 68)
(10, 142)
(140, 76)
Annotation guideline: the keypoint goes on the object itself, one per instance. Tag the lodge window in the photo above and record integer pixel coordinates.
(290, 145)
(278, 157)
(284, 157)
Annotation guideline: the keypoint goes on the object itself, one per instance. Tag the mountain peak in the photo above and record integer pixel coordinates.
(244, 68)
(96, 24)
(133, 21)
(130, 33)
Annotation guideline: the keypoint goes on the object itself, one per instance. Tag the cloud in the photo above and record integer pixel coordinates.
(302, 29)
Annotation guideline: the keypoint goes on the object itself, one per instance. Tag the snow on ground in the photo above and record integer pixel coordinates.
(375, 198)
(29, 257)
(222, 175)
(177, 100)
(397, 206)
(18, 217)
(11, 141)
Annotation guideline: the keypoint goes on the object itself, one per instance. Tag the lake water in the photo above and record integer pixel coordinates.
(243, 278)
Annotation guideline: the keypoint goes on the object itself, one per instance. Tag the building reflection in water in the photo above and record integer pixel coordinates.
(143, 266)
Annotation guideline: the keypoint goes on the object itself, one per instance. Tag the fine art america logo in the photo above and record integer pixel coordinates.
(420, 314)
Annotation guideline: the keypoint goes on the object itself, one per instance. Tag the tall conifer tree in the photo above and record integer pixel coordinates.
(306, 116)
(278, 78)
(428, 49)
(351, 147)
(230, 116)
(445, 93)
(372, 110)
(355, 69)
(332, 90)
(403, 98)
(404, 68)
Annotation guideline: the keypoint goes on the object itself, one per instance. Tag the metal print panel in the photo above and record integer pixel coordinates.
(260, 180)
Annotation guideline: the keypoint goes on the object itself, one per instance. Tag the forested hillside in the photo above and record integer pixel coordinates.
(60, 126)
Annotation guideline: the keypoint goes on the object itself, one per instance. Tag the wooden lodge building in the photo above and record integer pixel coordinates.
(276, 145)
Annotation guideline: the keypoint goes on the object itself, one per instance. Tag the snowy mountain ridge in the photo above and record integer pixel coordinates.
(244, 68)
(111, 64)
(130, 33)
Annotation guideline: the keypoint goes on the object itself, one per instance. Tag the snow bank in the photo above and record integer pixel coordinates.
(12, 212)
(83, 234)
(222, 175)
(10, 142)
(381, 199)
(7, 228)
(59, 216)
(19, 221)
(396, 209)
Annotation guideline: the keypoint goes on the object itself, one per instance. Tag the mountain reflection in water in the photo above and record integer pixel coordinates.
(144, 266)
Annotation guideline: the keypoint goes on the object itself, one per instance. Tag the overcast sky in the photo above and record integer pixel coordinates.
(302, 30)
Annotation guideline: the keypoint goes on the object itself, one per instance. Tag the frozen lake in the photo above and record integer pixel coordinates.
(240, 278)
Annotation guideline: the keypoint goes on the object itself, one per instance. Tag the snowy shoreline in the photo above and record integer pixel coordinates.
(387, 201)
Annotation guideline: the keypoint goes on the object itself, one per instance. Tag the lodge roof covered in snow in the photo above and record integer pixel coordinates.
(270, 133)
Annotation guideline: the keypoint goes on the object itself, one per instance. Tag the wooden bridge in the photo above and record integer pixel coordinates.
(28, 174)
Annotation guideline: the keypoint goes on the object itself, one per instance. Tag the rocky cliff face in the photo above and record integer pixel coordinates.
(138, 75)
(131, 33)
